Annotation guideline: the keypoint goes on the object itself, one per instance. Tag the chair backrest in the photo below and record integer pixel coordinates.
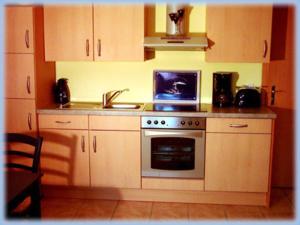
(28, 140)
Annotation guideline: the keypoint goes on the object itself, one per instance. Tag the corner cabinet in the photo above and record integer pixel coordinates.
(238, 155)
(94, 32)
(115, 156)
(239, 33)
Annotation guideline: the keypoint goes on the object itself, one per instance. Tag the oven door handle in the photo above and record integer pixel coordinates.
(152, 133)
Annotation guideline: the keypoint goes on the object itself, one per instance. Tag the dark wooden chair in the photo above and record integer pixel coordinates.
(35, 143)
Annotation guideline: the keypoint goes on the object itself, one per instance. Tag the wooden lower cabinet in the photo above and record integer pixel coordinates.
(115, 159)
(20, 116)
(65, 157)
(237, 162)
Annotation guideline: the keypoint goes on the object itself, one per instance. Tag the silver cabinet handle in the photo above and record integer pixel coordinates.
(99, 47)
(27, 38)
(95, 144)
(29, 121)
(83, 143)
(153, 133)
(238, 125)
(87, 47)
(57, 121)
(28, 85)
(265, 48)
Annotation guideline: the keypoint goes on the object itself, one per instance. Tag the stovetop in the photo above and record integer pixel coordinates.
(169, 107)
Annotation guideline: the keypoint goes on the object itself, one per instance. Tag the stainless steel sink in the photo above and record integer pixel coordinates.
(124, 106)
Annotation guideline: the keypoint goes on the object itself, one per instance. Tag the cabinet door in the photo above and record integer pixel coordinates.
(119, 32)
(20, 116)
(19, 29)
(115, 159)
(237, 162)
(19, 76)
(239, 33)
(68, 33)
(65, 157)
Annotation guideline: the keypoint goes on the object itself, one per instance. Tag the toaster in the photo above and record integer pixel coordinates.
(247, 97)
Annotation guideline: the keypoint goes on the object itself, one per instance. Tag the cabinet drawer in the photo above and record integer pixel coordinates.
(172, 184)
(63, 121)
(232, 125)
(114, 122)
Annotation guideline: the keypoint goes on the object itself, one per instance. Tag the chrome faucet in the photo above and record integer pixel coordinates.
(108, 97)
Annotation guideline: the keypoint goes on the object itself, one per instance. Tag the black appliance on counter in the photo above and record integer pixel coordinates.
(247, 97)
(62, 91)
(222, 89)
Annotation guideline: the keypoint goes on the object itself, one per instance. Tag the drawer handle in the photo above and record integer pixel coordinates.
(29, 121)
(238, 125)
(95, 144)
(62, 122)
(27, 38)
(28, 85)
(82, 143)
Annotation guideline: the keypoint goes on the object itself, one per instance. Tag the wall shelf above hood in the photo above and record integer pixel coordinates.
(172, 44)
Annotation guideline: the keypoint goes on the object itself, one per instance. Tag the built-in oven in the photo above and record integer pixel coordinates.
(173, 146)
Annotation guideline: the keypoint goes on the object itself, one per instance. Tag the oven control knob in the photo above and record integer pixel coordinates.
(163, 122)
(190, 123)
(149, 121)
(182, 122)
(197, 123)
(155, 122)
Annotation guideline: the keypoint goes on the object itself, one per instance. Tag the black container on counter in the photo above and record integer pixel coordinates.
(222, 89)
(247, 97)
(62, 91)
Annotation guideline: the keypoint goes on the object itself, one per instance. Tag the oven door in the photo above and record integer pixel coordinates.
(173, 153)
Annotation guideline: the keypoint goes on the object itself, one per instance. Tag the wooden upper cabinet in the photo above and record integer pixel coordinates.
(119, 32)
(68, 33)
(239, 33)
(19, 29)
(19, 76)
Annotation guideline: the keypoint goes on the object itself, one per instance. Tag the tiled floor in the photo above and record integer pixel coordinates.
(282, 207)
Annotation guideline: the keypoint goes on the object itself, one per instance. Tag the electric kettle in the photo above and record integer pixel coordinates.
(62, 91)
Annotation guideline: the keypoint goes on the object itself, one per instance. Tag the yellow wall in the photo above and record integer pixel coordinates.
(88, 80)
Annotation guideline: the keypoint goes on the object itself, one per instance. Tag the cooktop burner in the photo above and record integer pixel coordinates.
(167, 107)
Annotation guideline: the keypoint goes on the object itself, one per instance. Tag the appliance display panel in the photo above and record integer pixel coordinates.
(176, 86)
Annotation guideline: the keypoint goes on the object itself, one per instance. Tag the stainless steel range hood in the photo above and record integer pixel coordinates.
(176, 44)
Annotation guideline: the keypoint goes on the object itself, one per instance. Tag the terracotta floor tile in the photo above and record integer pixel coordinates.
(132, 210)
(169, 211)
(243, 212)
(96, 209)
(59, 208)
(290, 193)
(206, 211)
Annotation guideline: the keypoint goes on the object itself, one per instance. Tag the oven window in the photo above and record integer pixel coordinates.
(172, 153)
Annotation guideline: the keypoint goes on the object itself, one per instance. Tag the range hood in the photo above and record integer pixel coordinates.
(176, 44)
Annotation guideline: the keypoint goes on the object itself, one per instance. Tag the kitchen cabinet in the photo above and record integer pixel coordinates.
(28, 78)
(115, 155)
(238, 33)
(65, 154)
(19, 29)
(238, 153)
(119, 32)
(94, 32)
(68, 33)
(115, 159)
(20, 116)
(19, 76)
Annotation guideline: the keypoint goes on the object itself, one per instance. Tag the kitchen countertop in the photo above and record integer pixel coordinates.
(208, 110)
